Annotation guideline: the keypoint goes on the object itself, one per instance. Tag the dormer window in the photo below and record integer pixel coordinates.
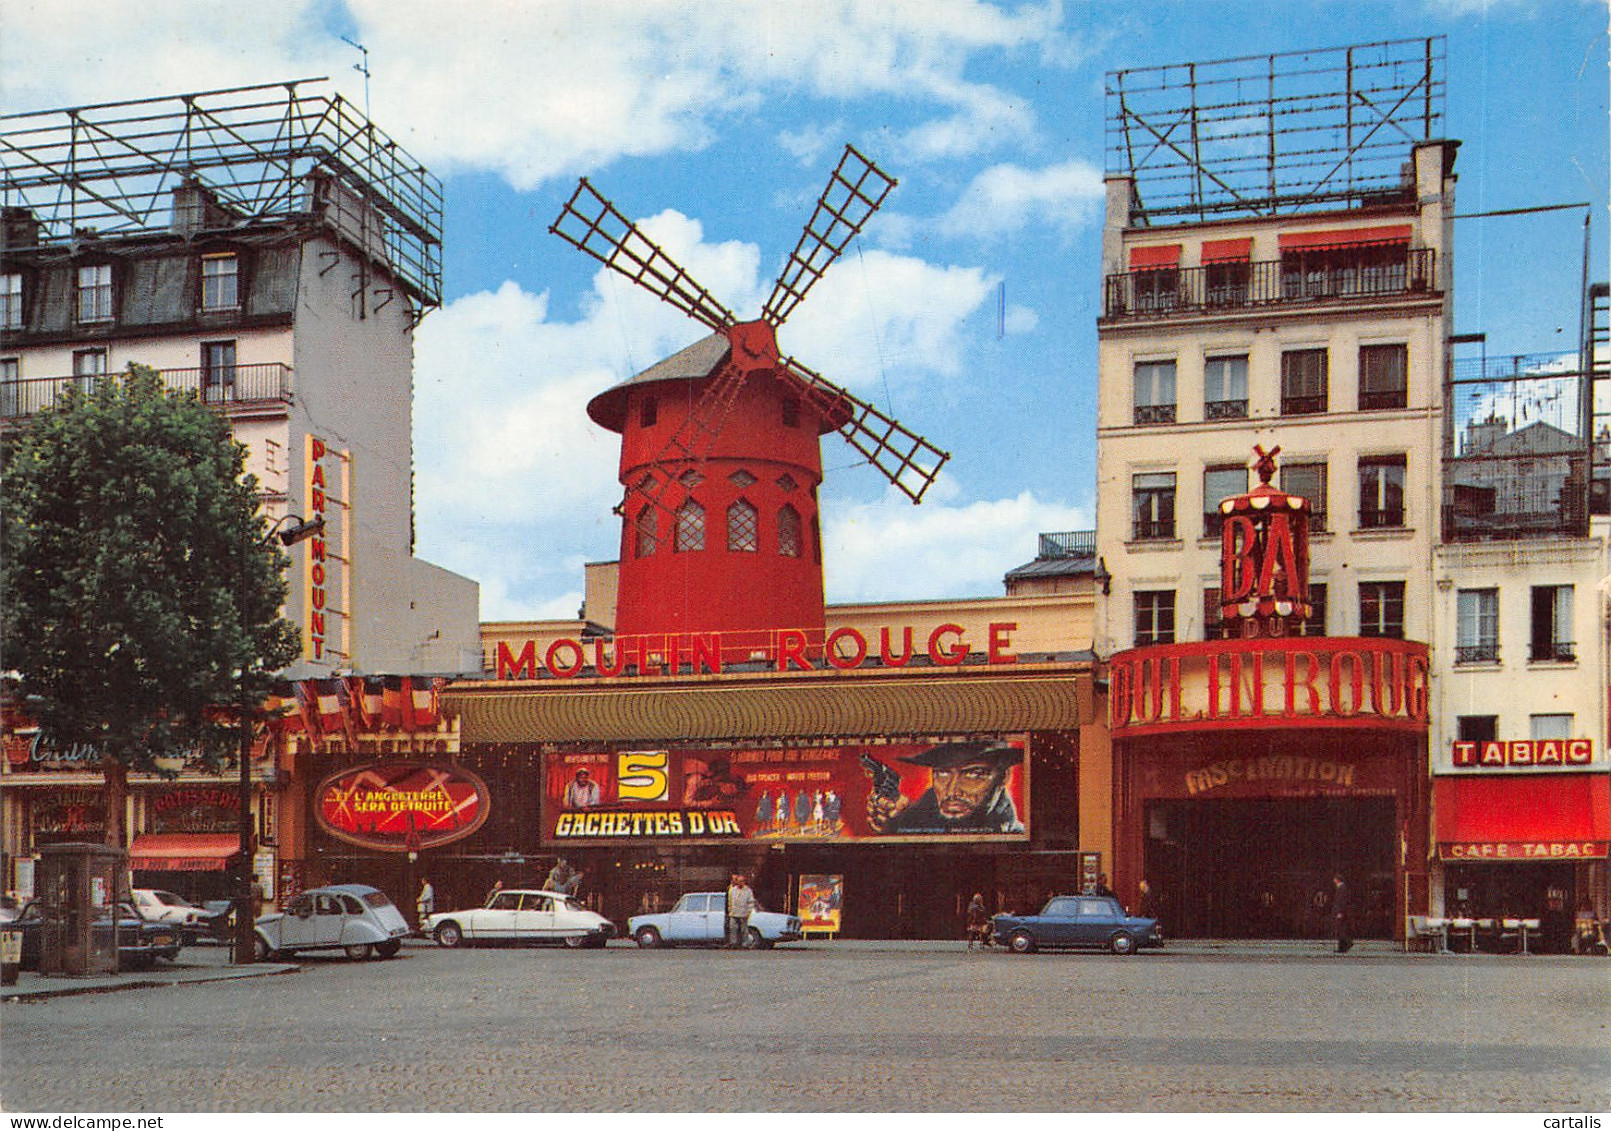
(95, 292)
(220, 282)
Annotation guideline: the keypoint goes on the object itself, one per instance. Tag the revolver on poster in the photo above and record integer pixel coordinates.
(886, 782)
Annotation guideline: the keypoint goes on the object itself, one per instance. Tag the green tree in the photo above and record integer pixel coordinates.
(140, 604)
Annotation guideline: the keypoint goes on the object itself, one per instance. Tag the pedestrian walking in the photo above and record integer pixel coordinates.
(425, 902)
(497, 886)
(978, 921)
(1339, 914)
(740, 903)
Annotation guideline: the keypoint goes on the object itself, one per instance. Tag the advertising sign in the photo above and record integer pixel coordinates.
(401, 806)
(195, 809)
(821, 900)
(976, 789)
(1522, 754)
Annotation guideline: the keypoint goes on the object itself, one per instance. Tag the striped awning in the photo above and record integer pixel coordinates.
(807, 705)
(182, 852)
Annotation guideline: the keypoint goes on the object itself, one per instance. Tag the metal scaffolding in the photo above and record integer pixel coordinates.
(1263, 134)
(263, 153)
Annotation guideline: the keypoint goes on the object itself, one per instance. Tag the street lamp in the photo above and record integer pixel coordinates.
(289, 530)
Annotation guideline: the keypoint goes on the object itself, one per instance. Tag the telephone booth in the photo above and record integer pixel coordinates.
(76, 890)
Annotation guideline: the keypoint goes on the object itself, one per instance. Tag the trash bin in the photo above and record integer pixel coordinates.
(10, 953)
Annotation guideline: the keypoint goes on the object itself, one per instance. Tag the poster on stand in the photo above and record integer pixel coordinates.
(820, 903)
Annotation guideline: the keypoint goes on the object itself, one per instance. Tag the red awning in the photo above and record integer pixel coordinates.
(182, 852)
(1222, 251)
(1158, 255)
(1345, 237)
(1523, 817)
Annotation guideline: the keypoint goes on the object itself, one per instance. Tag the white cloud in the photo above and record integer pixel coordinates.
(891, 550)
(1006, 198)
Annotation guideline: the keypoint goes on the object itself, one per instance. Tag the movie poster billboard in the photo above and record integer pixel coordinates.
(974, 789)
(821, 903)
(401, 806)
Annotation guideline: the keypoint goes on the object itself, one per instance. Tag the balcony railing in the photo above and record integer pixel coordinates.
(1552, 652)
(1225, 410)
(236, 384)
(1476, 653)
(1155, 414)
(1210, 290)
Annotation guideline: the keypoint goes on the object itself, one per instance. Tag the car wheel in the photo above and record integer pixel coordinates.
(261, 950)
(359, 951)
(754, 941)
(1022, 942)
(389, 948)
(647, 937)
(575, 942)
(1122, 943)
(448, 934)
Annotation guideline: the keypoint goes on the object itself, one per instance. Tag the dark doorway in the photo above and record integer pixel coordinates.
(1262, 868)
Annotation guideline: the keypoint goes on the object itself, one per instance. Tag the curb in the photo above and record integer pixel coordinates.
(183, 977)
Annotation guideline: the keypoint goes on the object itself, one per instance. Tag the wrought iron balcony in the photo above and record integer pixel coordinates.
(1218, 289)
(231, 385)
(1154, 414)
(1477, 653)
(1552, 652)
(1225, 410)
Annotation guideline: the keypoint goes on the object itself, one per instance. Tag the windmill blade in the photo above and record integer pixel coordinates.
(906, 459)
(593, 224)
(854, 193)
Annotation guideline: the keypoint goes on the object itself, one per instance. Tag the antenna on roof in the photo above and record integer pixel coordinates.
(362, 68)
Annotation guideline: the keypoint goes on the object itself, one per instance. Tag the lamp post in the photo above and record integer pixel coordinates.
(290, 530)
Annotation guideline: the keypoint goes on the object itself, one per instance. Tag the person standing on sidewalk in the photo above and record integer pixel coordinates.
(740, 903)
(1339, 914)
(978, 921)
(425, 903)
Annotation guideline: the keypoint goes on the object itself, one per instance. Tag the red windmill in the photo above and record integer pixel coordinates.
(720, 443)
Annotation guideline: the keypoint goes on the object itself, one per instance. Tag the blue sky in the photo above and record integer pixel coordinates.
(715, 125)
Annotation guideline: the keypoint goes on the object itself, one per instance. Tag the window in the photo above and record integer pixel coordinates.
(743, 527)
(741, 479)
(648, 412)
(1227, 281)
(1315, 623)
(1381, 609)
(1225, 388)
(1211, 617)
(1477, 631)
(1303, 382)
(690, 527)
(645, 536)
(1549, 726)
(88, 365)
(10, 392)
(1219, 484)
(1381, 492)
(1155, 392)
(218, 370)
(1155, 617)
(1552, 625)
(789, 532)
(10, 301)
(1153, 495)
(220, 289)
(1383, 376)
(791, 412)
(95, 293)
(1357, 269)
(1156, 288)
(1478, 728)
(1309, 481)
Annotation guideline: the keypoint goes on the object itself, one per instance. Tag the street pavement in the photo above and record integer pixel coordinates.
(827, 1026)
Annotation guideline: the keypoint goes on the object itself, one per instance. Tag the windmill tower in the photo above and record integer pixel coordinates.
(720, 443)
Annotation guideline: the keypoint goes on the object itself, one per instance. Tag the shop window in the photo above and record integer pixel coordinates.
(743, 528)
(1552, 625)
(1304, 381)
(220, 282)
(1219, 484)
(1315, 623)
(789, 532)
(1308, 480)
(1381, 609)
(1381, 492)
(218, 370)
(1540, 727)
(644, 533)
(690, 534)
(1225, 388)
(10, 301)
(95, 292)
(1383, 376)
(1155, 617)
(1153, 505)
(1477, 728)
(1477, 630)
(1155, 392)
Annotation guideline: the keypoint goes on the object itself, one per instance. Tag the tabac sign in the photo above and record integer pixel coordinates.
(1523, 755)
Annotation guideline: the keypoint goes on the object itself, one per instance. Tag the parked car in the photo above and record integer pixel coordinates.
(1077, 921)
(355, 918)
(522, 916)
(700, 919)
(140, 941)
(168, 907)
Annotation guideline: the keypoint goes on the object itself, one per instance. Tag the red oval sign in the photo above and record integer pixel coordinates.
(401, 806)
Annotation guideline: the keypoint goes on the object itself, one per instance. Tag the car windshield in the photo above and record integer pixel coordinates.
(377, 899)
(172, 900)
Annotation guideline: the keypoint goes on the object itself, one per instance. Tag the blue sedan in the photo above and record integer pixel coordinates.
(1077, 921)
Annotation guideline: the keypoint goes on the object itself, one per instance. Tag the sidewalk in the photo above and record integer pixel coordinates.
(195, 964)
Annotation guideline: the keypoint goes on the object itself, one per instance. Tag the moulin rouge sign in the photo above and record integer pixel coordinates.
(786, 649)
